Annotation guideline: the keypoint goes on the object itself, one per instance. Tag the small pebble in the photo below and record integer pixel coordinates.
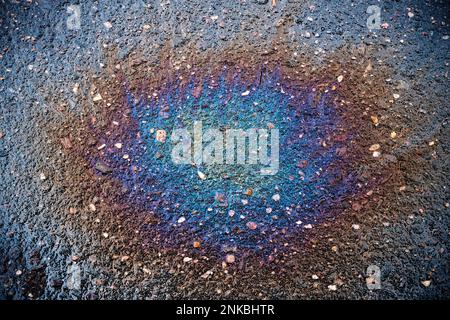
(201, 175)
(97, 97)
(196, 244)
(102, 167)
(251, 225)
(332, 287)
(230, 258)
(374, 120)
(426, 283)
(107, 24)
(161, 135)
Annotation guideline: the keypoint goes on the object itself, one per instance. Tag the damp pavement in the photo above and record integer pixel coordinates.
(92, 208)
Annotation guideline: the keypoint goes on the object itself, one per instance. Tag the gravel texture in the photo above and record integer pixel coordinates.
(79, 220)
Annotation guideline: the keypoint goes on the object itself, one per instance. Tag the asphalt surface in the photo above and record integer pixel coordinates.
(81, 218)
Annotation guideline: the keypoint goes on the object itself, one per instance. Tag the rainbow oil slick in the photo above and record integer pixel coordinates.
(230, 205)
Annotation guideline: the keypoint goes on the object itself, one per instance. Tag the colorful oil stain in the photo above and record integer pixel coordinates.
(232, 205)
